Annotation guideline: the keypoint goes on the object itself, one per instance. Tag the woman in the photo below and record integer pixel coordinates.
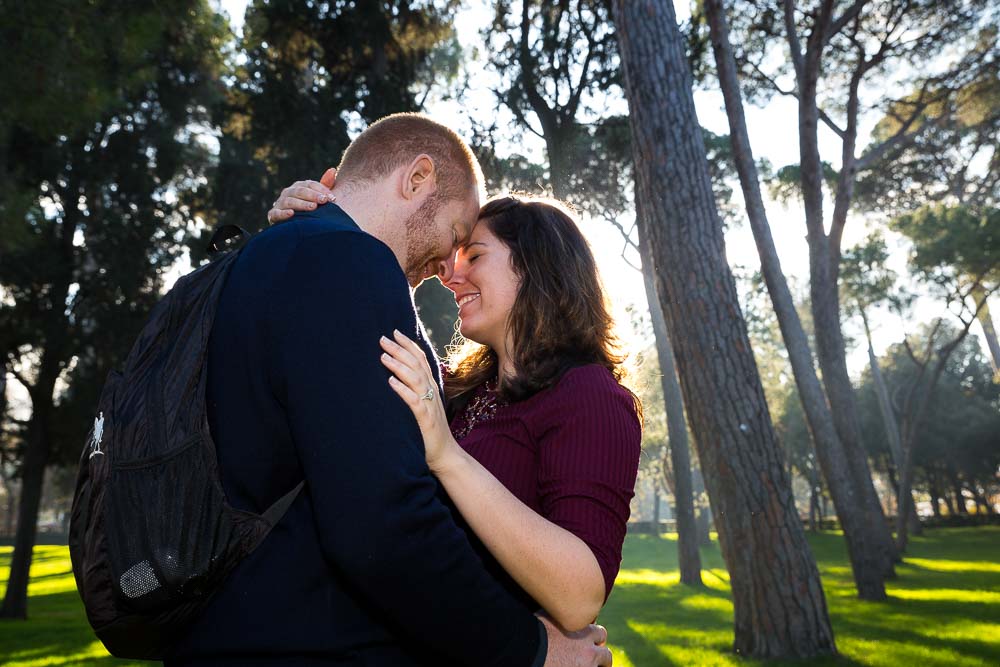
(539, 445)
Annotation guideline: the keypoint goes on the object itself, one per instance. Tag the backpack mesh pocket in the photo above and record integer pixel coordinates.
(168, 528)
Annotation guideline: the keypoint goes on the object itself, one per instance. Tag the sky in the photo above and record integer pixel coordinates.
(773, 136)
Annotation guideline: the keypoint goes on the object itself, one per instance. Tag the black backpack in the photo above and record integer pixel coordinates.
(151, 533)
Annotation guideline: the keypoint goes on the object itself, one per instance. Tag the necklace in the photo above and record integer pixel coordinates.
(482, 408)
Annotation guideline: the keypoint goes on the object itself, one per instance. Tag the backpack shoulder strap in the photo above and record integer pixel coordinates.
(274, 513)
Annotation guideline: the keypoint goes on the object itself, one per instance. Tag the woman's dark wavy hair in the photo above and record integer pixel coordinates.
(560, 316)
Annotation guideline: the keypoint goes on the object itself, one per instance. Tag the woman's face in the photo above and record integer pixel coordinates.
(485, 288)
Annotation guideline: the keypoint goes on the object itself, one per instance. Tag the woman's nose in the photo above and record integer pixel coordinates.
(456, 276)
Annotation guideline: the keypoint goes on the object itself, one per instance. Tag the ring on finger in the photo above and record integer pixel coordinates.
(428, 395)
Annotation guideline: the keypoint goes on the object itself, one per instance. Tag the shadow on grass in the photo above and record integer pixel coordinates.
(943, 608)
(56, 633)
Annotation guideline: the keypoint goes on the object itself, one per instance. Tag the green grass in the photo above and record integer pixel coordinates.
(944, 608)
(56, 632)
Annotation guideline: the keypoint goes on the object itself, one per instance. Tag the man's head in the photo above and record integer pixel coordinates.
(427, 183)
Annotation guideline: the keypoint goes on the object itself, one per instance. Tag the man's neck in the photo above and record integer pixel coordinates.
(372, 213)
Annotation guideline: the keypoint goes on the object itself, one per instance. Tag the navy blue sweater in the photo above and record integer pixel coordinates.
(368, 567)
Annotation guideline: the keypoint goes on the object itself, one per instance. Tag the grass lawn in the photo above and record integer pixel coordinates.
(944, 609)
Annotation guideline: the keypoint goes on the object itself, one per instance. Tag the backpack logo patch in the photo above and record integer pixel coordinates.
(98, 434)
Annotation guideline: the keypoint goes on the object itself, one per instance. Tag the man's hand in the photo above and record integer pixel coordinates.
(584, 648)
(303, 196)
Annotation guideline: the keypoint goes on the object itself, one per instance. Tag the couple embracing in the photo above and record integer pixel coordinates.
(466, 513)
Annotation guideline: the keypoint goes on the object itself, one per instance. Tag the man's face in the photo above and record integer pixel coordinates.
(433, 235)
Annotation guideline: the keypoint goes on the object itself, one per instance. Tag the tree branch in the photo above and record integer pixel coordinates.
(794, 46)
(929, 348)
(901, 137)
(574, 100)
(627, 235)
(528, 82)
(514, 109)
(911, 354)
(827, 120)
(849, 15)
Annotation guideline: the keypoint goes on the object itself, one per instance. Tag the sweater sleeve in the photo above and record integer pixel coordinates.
(589, 443)
(379, 521)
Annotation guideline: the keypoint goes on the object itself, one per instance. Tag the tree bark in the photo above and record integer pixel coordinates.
(986, 321)
(656, 509)
(5, 481)
(916, 407)
(948, 500)
(934, 490)
(36, 456)
(704, 519)
(824, 265)
(814, 516)
(862, 538)
(779, 606)
(688, 556)
(560, 130)
(892, 436)
(558, 122)
(956, 487)
(12, 495)
(915, 527)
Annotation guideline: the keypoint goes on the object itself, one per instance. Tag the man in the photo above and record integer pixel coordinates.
(368, 566)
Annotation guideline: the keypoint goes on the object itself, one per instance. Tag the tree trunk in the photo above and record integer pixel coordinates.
(986, 321)
(779, 606)
(892, 436)
(38, 445)
(15, 602)
(888, 421)
(915, 527)
(956, 487)
(704, 510)
(982, 503)
(3, 383)
(948, 501)
(688, 556)
(862, 537)
(814, 516)
(656, 510)
(557, 142)
(916, 408)
(990, 508)
(934, 491)
(6, 482)
(824, 262)
(12, 494)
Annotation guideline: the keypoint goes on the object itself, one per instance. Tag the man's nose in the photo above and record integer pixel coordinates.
(446, 269)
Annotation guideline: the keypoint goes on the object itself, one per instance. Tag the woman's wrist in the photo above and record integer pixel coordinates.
(450, 459)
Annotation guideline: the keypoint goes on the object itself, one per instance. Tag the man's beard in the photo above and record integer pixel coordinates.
(421, 241)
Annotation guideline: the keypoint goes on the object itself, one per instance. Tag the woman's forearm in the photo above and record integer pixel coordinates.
(552, 564)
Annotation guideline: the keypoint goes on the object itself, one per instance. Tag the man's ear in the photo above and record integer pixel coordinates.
(419, 179)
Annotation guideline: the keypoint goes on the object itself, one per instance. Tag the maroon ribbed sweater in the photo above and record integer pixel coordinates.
(571, 453)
